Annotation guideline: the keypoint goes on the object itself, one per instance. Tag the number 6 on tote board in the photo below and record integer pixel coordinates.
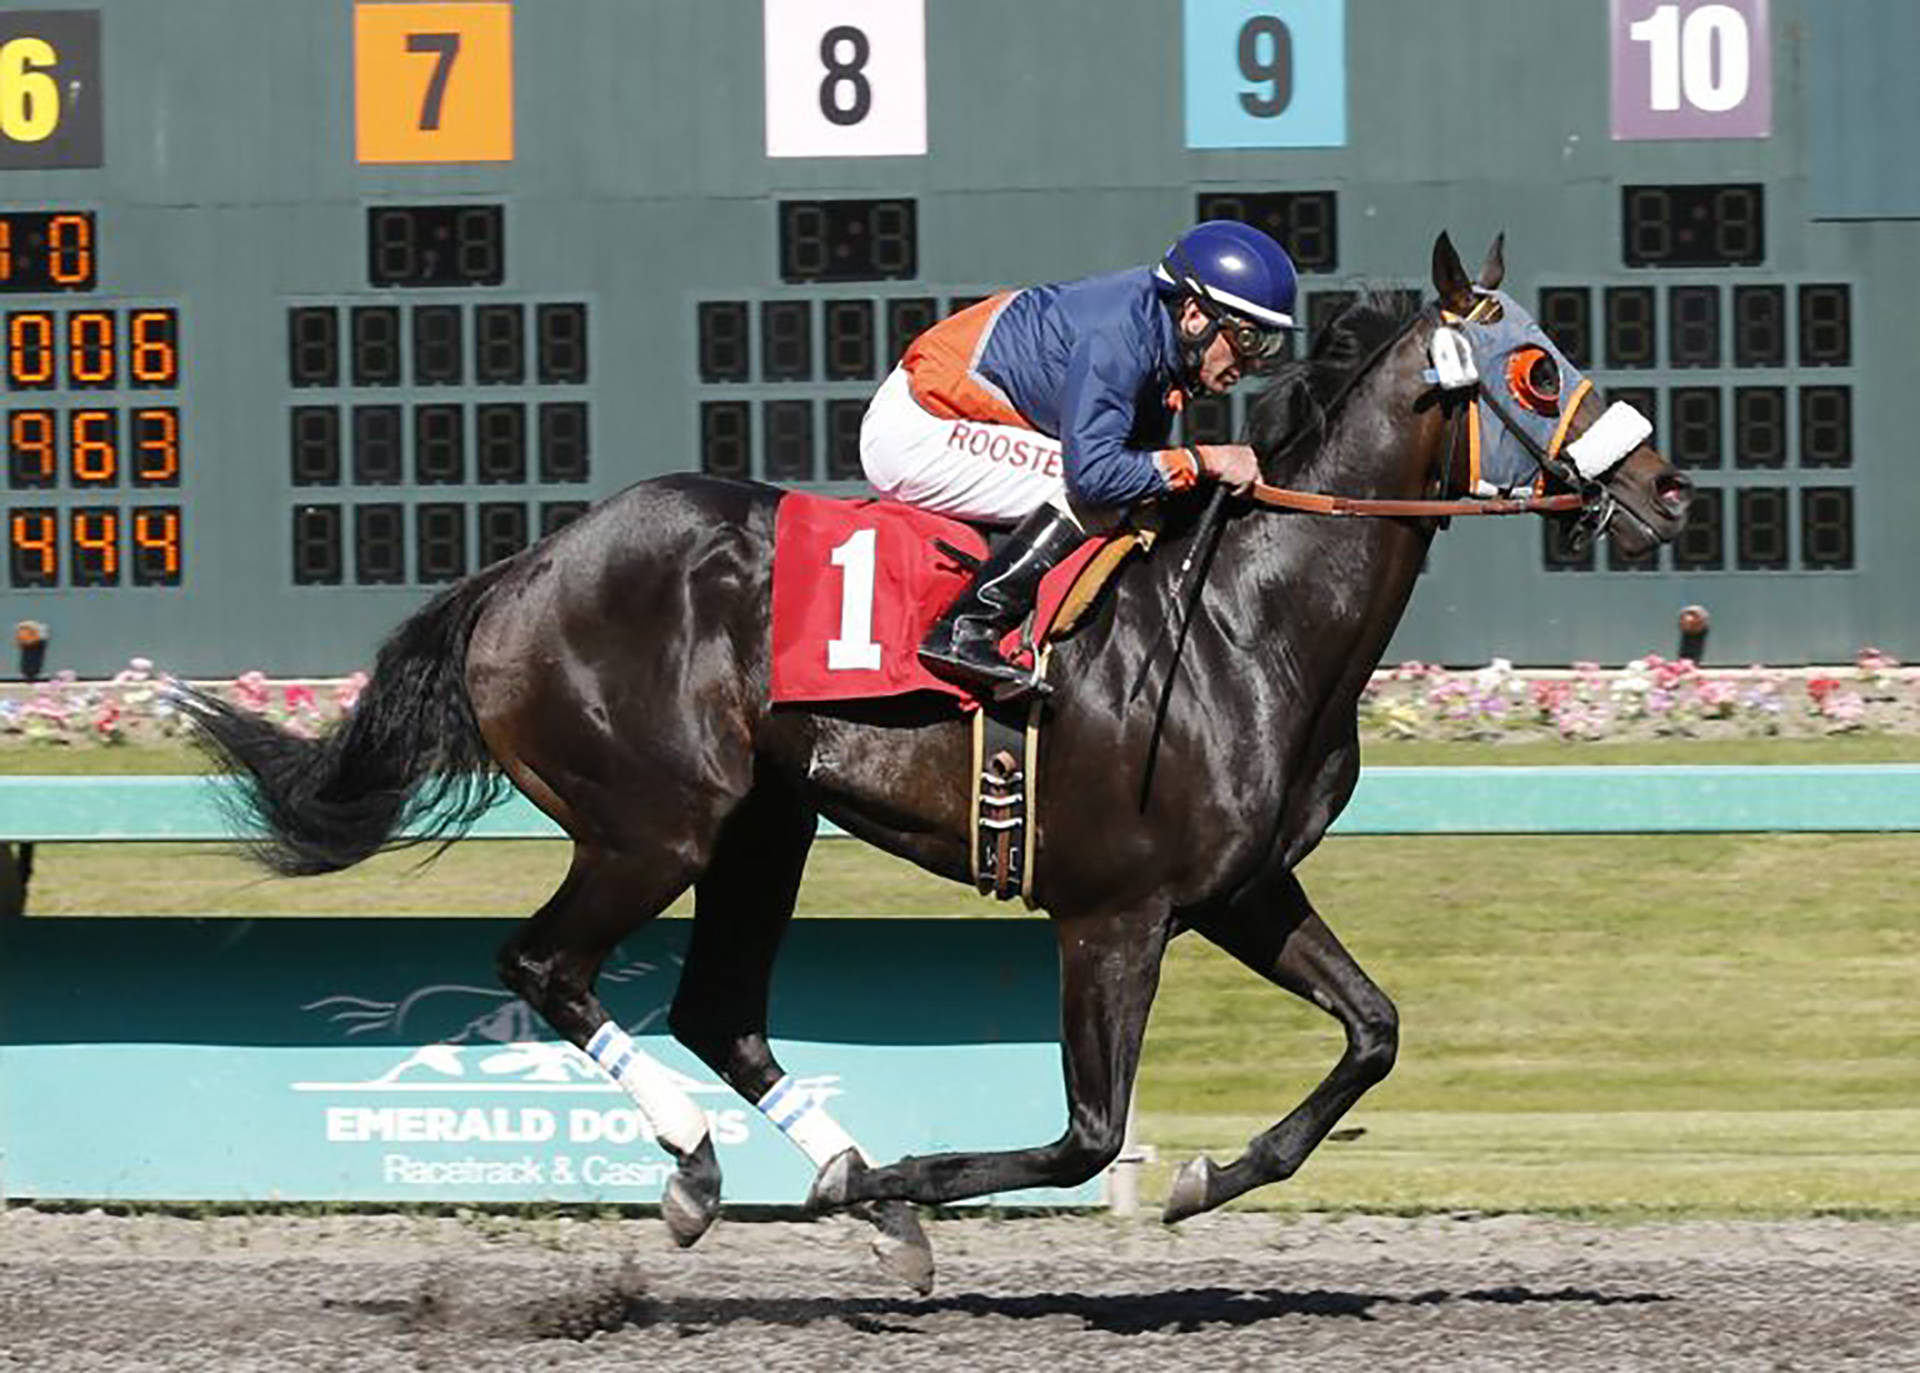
(846, 78)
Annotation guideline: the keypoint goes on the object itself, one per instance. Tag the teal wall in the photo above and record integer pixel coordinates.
(379, 1060)
(1057, 146)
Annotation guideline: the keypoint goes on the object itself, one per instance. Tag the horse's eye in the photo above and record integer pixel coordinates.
(1534, 378)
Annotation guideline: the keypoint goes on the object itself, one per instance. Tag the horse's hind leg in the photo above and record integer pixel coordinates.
(742, 905)
(552, 961)
(1274, 930)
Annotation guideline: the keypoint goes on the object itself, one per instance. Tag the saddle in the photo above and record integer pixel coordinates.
(856, 586)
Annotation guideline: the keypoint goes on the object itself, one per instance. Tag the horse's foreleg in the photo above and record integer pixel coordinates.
(1109, 971)
(1273, 930)
(552, 962)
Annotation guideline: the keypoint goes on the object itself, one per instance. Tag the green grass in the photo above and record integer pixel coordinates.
(1632, 1025)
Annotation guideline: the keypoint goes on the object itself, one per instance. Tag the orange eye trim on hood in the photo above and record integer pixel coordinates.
(1534, 379)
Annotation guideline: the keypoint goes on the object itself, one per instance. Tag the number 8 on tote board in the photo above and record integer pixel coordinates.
(846, 78)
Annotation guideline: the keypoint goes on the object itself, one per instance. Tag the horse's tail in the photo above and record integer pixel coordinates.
(407, 766)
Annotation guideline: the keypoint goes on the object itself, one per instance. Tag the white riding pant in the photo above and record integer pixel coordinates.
(994, 473)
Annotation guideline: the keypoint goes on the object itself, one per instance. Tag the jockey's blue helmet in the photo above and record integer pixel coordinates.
(1240, 277)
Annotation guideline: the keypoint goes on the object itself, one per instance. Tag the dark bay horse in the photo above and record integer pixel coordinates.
(617, 674)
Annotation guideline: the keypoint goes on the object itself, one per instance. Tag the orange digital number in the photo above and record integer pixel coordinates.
(96, 457)
(36, 547)
(70, 250)
(96, 547)
(30, 350)
(155, 359)
(156, 447)
(156, 545)
(6, 249)
(90, 348)
(33, 452)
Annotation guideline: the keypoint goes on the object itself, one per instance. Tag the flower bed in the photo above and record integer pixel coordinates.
(136, 707)
(1649, 698)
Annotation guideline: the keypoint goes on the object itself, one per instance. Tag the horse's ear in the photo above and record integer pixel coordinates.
(1495, 268)
(1450, 281)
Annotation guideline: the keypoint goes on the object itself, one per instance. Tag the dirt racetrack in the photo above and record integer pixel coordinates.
(1233, 1291)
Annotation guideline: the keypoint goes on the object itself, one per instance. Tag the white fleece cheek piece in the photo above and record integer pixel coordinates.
(1609, 439)
(670, 1112)
(799, 1115)
(1453, 366)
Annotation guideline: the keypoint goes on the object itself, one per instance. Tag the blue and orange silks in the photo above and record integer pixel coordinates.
(1091, 363)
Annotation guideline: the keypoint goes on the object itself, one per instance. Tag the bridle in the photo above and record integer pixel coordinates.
(1597, 505)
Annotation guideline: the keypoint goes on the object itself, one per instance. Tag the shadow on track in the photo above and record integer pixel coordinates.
(1185, 1310)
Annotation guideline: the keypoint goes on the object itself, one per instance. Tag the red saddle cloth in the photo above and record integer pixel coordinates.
(856, 586)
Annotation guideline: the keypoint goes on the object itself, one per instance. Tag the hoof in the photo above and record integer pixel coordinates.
(691, 1202)
(835, 1185)
(1192, 1190)
(900, 1246)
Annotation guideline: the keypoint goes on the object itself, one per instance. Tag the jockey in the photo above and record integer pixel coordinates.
(1052, 409)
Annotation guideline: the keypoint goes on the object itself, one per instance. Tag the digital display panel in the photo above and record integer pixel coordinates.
(33, 450)
(843, 440)
(786, 340)
(848, 240)
(1826, 326)
(563, 344)
(563, 442)
(317, 546)
(1722, 225)
(1694, 440)
(849, 345)
(908, 317)
(726, 438)
(1759, 326)
(789, 430)
(1701, 546)
(439, 445)
(380, 544)
(723, 341)
(500, 444)
(1630, 326)
(47, 251)
(1761, 521)
(1566, 315)
(436, 245)
(1826, 426)
(1760, 426)
(1826, 528)
(502, 531)
(97, 546)
(33, 547)
(440, 542)
(1305, 223)
(499, 345)
(1693, 326)
(316, 445)
(437, 350)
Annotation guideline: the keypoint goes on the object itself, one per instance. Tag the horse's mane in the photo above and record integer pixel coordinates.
(1286, 419)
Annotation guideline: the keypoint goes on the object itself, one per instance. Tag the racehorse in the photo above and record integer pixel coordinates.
(617, 673)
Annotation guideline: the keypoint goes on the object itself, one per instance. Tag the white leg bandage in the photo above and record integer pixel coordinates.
(672, 1115)
(796, 1111)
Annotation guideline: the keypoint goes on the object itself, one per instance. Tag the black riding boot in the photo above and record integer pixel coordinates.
(965, 645)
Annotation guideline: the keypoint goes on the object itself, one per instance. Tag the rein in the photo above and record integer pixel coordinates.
(1316, 503)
